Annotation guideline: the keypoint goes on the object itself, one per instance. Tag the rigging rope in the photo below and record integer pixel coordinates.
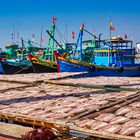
(61, 36)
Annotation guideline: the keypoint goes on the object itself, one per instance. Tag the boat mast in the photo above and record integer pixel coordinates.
(109, 48)
(41, 36)
(79, 41)
(50, 45)
(66, 34)
(110, 34)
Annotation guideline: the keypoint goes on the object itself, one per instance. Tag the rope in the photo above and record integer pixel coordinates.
(61, 36)
(23, 68)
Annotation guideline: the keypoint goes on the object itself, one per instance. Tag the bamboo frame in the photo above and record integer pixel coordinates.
(103, 135)
(53, 124)
(110, 87)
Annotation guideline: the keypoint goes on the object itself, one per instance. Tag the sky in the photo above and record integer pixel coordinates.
(28, 16)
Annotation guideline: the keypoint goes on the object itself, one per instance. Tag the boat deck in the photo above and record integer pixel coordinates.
(71, 104)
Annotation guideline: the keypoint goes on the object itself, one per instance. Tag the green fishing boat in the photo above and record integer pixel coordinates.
(17, 60)
(46, 61)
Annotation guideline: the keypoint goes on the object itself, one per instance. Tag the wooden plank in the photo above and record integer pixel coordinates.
(5, 138)
(57, 125)
(12, 131)
(70, 76)
(20, 87)
(15, 81)
(107, 87)
(98, 134)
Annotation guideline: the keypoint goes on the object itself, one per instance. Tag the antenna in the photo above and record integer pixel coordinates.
(14, 34)
(41, 36)
(66, 34)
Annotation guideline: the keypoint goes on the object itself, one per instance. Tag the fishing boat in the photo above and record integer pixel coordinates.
(16, 66)
(17, 60)
(46, 61)
(113, 57)
(48, 64)
(2, 57)
(1, 69)
(41, 66)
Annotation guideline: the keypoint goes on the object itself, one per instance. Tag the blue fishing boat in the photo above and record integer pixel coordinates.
(113, 57)
(2, 57)
(1, 70)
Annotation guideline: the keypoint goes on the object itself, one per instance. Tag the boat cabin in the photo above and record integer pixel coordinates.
(11, 51)
(115, 53)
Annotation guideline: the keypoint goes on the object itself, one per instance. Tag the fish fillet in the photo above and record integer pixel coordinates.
(119, 120)
(112, 128)
(106, 117)
(123, 110)
(137, 134)
(98, 125)
(129, 131)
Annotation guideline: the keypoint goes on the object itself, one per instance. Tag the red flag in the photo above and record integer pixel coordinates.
(83, 25)
(73, 35)
(54, 18)
(111, 25)
(126, 36)
(42, 39)
(112, 28)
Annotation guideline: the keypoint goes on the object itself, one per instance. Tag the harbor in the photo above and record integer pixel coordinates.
(69, 70)
(104, 108)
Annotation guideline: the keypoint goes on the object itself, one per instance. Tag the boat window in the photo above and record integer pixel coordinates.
(113, 54)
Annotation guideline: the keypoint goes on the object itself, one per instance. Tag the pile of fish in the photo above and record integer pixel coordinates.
(57, 102)
(132, 82)
(124, 121)
(68, 103)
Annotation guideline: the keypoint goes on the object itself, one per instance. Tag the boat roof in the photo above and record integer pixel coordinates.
(89, 41)
(119, 40)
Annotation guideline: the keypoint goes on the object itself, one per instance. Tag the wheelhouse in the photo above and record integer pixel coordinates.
(115, 53)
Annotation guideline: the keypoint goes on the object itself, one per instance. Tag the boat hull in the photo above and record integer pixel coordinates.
(43, 67)
(94, 70)
(1, 69)
(10, 68)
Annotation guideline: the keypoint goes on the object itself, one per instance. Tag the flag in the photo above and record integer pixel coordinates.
(54, 18)
(111, 26)
(83, 25)
(33, 38)
(125, 36)
(73, 35)
(42, 40)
